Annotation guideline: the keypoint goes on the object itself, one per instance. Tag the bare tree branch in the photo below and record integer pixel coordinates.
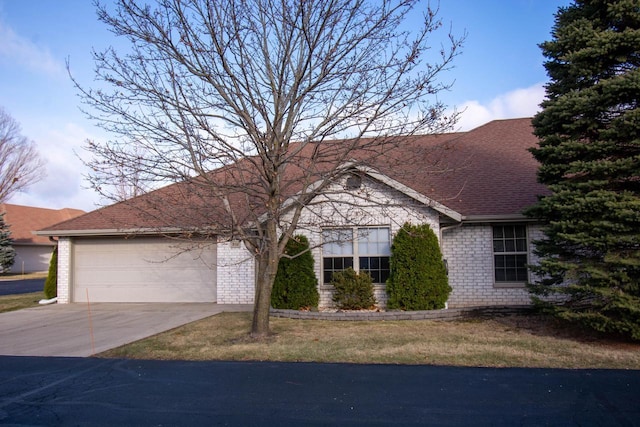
(20, 164)
(257, 102)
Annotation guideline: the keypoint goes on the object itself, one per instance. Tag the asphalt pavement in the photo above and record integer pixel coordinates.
(107, 392)
(11, 287)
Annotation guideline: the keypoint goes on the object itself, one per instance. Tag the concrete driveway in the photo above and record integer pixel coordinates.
(77, 330)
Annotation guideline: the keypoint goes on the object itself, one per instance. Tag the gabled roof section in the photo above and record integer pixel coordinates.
(408, 191)
(487, 172)
(23, 221)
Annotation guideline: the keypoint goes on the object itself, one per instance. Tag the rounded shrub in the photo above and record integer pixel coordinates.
(296, 285)
(51, 283)
(418, 278)
(352, 291)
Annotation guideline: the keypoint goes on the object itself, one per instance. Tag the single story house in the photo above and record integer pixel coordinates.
(474, 204)
(33, 252)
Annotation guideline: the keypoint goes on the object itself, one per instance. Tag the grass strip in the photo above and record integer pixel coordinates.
(510, 341)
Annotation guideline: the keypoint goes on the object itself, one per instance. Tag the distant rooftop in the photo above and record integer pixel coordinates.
(24, 220)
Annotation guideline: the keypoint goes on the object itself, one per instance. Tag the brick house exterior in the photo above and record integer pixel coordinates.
(475, 210)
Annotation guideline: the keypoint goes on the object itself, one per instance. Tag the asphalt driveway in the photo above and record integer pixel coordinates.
(77, 330)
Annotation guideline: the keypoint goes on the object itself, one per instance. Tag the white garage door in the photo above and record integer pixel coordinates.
(143, 270)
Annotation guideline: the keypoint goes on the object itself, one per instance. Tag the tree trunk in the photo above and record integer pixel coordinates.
(267, 268)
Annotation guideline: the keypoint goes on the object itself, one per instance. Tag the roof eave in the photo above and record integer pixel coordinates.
(478, 219)
(122, 232)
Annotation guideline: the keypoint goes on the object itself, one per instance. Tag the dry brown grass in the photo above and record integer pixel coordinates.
(512, 341)
(20, 301)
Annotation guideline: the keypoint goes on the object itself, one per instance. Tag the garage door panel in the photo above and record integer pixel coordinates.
(144, 270)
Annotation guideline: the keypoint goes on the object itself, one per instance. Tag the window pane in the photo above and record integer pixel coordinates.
(377, 267)
(498, 232)
(499, 261)
(337, 242)
(384, 263)
(374, 241)
(509, 246)
(348, 262)
(328, 275)
(331, 265)
(508, 233)
(375, 276)
(521, 245)
(498, 246)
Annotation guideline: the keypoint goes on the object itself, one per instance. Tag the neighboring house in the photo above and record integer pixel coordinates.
(124, 252)
(33, 252)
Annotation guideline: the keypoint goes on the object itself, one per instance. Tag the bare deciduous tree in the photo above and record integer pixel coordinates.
(278, 98)
(20, 164)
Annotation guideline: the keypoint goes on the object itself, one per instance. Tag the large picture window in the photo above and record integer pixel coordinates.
(362, 248)
(510, 253)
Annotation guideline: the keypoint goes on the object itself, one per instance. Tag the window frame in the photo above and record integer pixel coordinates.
(356, 254)
(510, 253)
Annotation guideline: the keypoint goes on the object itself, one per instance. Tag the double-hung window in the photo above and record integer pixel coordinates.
(510, 254)
(361, 248)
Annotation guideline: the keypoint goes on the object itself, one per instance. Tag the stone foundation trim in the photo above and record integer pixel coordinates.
(445, 314)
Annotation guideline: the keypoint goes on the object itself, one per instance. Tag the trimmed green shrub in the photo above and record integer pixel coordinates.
(296, 285)
(51, 283)
(352, 291)
(418, 278)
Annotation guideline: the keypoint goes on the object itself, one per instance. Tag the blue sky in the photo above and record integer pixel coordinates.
(498, 75)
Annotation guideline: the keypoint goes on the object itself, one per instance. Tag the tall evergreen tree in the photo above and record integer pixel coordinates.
(7, 253)
(589, 131)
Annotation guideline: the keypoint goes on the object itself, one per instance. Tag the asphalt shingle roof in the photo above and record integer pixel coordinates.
(487, 171)
(24, 220)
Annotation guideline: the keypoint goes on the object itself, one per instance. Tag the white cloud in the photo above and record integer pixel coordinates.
(19, 50)
(64, 184)
(514, 104)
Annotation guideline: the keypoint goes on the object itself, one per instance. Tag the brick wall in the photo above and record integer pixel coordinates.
(236, 274)
(64, 270)
(469, 254)
(373, 204)
(467, 249)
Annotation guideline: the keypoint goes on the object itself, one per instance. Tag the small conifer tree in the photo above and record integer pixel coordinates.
(7, 252)
(418, 278)
(296, 285)
(51, 283)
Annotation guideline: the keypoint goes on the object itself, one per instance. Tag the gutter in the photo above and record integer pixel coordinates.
(119, 232)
